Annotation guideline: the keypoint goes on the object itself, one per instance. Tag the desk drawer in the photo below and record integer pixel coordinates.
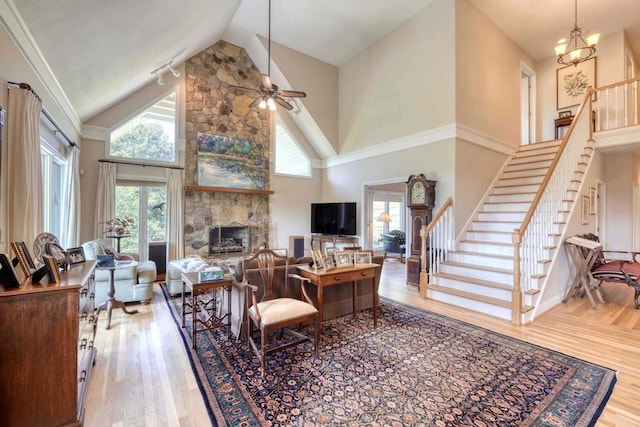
(363, 274)
(334, 279)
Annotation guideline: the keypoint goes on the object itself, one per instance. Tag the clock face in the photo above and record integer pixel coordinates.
(418, 193)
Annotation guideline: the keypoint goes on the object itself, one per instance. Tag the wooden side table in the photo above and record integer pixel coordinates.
(211, 320)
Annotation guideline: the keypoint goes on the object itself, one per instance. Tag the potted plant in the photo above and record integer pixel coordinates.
(119, 226)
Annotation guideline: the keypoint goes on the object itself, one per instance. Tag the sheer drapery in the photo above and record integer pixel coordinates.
(25, 216)
(105, 196)
(72, 232)
(175, 242)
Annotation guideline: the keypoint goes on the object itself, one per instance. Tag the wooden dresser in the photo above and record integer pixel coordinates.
(47, 333)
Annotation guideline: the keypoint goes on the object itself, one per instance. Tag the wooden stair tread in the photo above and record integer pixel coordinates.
(482, 282)
(472, 296)
(478, 267)
(504, 257)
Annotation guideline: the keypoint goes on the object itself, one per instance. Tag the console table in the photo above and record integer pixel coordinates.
(566, 121)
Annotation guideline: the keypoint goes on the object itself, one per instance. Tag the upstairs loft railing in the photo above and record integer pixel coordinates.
(535, 239)
(440, 237)
(617, 105)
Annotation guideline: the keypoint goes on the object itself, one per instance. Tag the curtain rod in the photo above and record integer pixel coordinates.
(57, 129)
(126, 162)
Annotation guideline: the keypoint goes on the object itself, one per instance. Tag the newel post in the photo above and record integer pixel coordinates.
(424, 277)
(516, 294)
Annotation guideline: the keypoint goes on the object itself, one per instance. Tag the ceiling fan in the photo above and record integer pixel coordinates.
(270, 94)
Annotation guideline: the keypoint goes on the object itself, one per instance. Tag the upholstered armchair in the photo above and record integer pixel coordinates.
(395, 243)
(132, 284)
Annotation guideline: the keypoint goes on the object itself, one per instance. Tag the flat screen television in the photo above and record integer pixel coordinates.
(334, 218)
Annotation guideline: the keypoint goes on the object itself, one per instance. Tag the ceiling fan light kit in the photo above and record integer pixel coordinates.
(581, 49)
(270, 94)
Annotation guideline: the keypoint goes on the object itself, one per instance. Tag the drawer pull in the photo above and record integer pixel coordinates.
(83, 376)
(336, 278)
(83, 344)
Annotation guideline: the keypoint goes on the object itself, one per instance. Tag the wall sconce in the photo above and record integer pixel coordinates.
(159, 72)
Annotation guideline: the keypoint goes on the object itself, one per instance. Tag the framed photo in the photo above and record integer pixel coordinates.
(330, 251)
(8, 275)
(76, 255)
(362, 258)
(52, 268)
(593, 201)
(24, 258)
(343, 259)
(572, 83)
(563, 114)
(327, 263)
(585, 209)
(317, 258)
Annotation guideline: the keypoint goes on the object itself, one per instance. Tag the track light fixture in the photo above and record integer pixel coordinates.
(159, 72)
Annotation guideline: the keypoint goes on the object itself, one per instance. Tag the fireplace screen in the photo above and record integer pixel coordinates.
(225, 240)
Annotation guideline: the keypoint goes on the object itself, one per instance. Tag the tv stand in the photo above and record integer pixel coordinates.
(332, 240)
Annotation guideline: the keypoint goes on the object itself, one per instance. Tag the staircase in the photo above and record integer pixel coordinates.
(478, 273)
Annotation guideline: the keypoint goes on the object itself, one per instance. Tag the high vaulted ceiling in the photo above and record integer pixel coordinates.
(101, 51)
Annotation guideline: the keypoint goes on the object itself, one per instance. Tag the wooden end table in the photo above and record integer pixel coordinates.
(211, 321)
(111, 302)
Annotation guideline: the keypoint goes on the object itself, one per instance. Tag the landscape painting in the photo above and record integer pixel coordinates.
(229, 162)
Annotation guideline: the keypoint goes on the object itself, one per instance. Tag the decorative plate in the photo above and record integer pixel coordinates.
(40, 243)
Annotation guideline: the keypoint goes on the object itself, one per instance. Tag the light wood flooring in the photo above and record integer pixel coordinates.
(143, 377)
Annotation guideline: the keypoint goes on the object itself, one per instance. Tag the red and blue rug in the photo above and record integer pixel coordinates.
(416, 368)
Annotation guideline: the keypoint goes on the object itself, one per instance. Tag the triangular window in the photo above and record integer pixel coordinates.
(290, 159)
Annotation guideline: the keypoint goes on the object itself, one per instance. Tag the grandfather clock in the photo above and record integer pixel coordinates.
(421, 197)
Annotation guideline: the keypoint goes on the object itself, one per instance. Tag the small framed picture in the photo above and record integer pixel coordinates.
(330, 251)
(52, 268)
(327, 263)
(593, 201)
(343, 259)
(8, 275)
(362, 258)
(24, 257)
(76, 255)
(563, 114)
(585, 209)
(317, 258)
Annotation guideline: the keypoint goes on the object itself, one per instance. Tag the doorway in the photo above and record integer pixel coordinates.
(527, 105)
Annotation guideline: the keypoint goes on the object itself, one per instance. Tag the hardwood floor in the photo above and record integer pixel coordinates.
(143, 377)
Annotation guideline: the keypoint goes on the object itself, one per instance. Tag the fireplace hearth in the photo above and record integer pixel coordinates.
(233, 239)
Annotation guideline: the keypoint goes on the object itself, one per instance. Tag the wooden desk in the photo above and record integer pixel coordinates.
(197, 288)
(566, 121)
(354, 274)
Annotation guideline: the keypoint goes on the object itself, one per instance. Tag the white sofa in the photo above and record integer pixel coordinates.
(132, 284)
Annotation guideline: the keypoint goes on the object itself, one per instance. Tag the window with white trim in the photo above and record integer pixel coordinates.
(149, 136)
(53, 183)
(290, 159)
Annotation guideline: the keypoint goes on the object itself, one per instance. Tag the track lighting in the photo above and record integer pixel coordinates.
(159, 72)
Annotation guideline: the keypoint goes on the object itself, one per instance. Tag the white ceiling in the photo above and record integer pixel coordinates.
(100, 51)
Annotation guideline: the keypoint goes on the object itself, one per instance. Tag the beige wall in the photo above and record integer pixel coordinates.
(401, 85)
(619, 179)
(488, 64)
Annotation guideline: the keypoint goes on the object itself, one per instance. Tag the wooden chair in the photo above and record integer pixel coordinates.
(269, 309)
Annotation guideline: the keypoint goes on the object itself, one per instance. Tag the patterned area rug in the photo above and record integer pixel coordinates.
(416, 368)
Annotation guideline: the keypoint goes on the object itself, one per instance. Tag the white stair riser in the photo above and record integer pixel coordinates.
(486, 291)
(524, 173)
(530, 188)
(497, 216)
(481, 259)
(514, 197)
(519, 180)
(499, 312)
(491, 276)
(485, 248)
(538, 157)
(506, 207)
(506, 227)
(489, 236)
(528, 166)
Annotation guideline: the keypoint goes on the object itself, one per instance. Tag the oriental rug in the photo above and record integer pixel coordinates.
(417, 368)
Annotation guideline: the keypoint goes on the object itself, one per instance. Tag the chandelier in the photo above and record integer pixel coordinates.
(580, 50)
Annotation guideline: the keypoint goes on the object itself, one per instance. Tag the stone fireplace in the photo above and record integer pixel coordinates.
(213, 108)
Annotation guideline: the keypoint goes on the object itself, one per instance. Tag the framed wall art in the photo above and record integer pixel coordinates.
(585, 209)
(593, 201)
(572, 83)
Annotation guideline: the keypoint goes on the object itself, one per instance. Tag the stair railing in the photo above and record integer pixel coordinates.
(534, 240)
(440, 235)
(617, 105)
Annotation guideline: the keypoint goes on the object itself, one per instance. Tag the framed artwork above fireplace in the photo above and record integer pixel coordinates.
(230, 162)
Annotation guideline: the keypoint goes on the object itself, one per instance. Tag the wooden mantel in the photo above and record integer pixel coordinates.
(227, 190)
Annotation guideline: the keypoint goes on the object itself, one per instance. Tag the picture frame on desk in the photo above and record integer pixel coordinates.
(343, 259)
(564, 114)
(76, 255)
(330, 251)
(316, 255)
(362, 258)
(52, 268)
(24, 257)
(8, 274)
(327, 263)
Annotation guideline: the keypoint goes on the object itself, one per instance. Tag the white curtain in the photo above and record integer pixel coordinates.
(175, 240)
(105, 196)
(25, 215)
(72, 232)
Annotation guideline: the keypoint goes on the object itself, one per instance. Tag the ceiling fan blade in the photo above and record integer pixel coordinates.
(255, 102)
(266, 81)
(283, 103)
(292, 93)
(244, 88)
